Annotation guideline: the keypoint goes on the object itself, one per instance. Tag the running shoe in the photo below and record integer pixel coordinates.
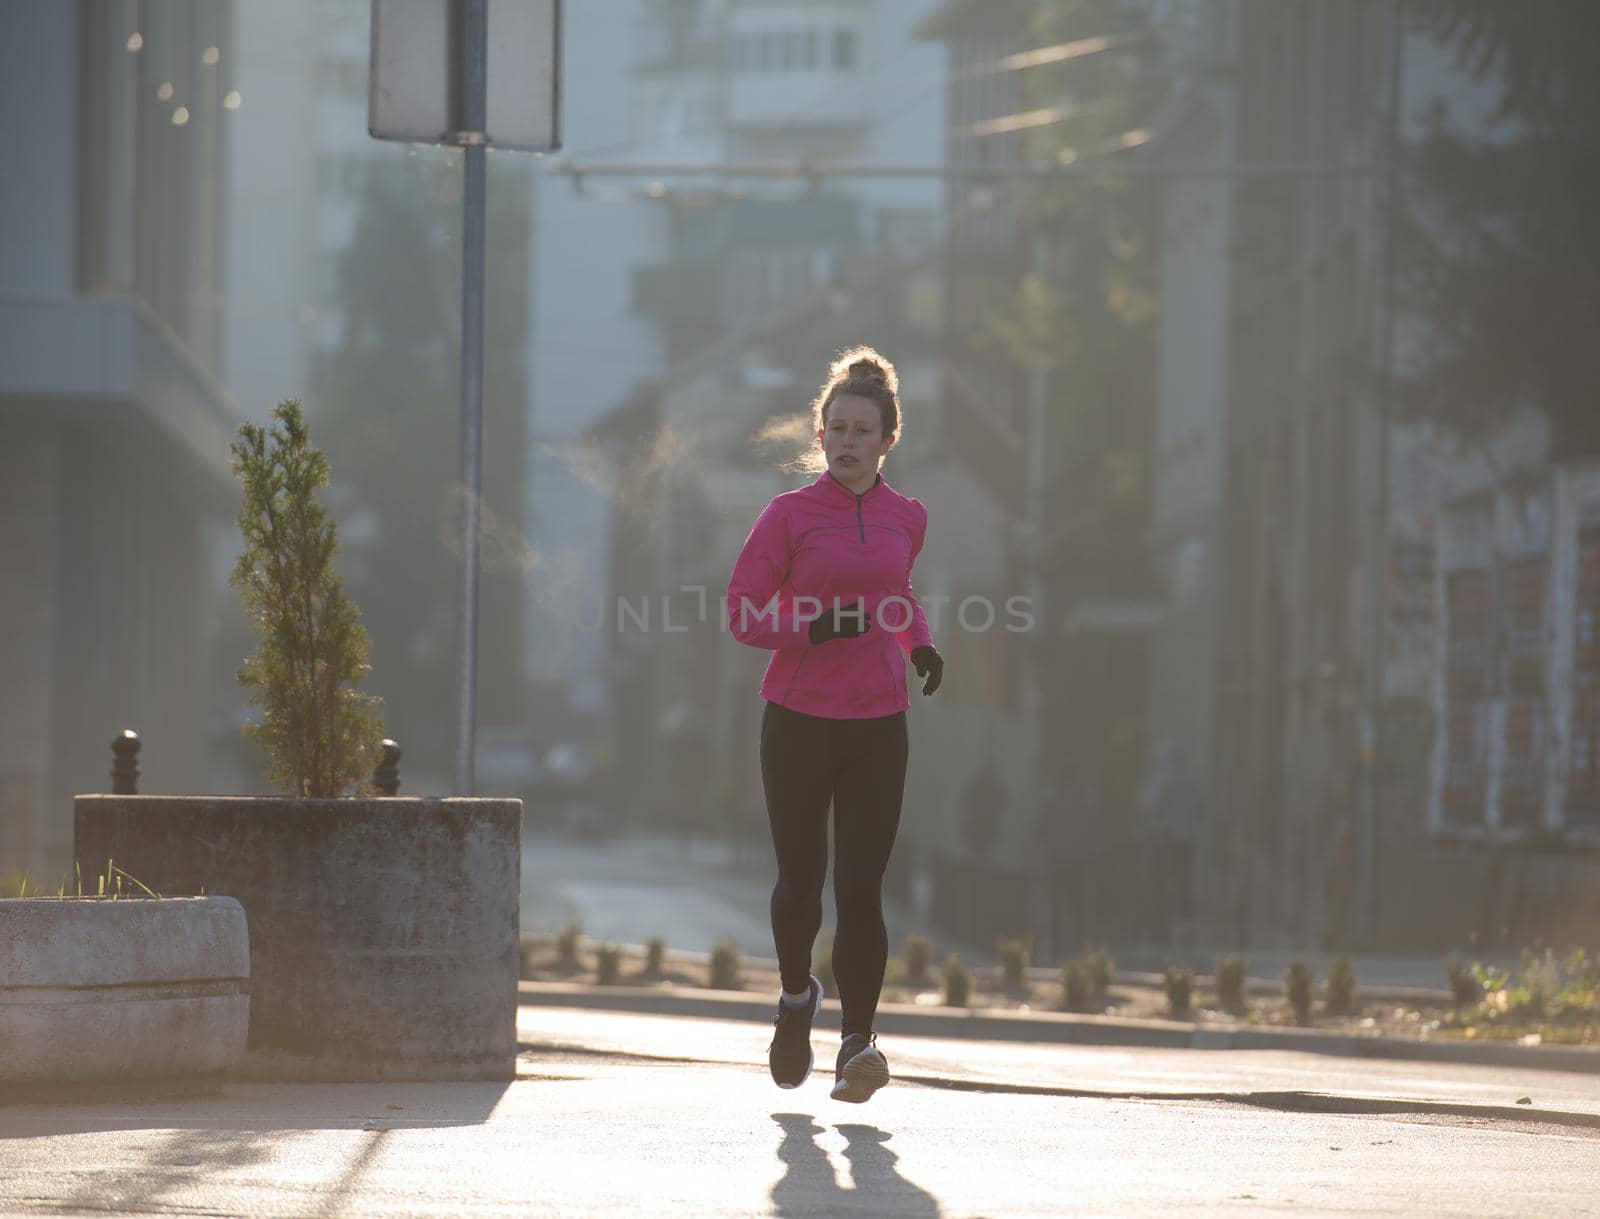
(789, 1056)
(861, 1069)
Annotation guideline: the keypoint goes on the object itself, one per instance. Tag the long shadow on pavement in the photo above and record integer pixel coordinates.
(202, 1132)
(809, 1186)
(245, 1106)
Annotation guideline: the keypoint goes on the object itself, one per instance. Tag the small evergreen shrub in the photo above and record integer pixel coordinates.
(1464, 988)
(919, 955)
(1297, 982)
(608, 964)
(655, 955)
(725, 965)
(957, 983)
(1179, 983)
(1101, 968)
(1341, 986)
(1230, 975)
(1014, 953)
(1074, 986)
(321, 735)
(567, 945)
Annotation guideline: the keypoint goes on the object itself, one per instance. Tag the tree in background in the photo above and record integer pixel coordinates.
(390, 415)
(1498, 248)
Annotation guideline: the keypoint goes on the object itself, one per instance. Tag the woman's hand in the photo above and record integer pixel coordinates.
(840, 624)
(930, 665)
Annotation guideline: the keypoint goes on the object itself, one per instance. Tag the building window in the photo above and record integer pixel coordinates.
(775, 51)
(1465, 772)
(1583, 771)
(844, 50)
(1522, 776)
(1525, 579)
(1587, 614)
(1583, 764)
(1469, 597)
(1411, 592)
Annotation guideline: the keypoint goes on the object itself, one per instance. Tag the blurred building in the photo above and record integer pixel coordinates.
(1020, 810)
(1490, 750)
(1188, 454)
(1285, 489)
(1019, 804)
(1492, 817)
(1048, 402)
(749, 288)
(590, 350)
(114, 427)
(983, 856)
(1267, 450)
(294, 192)
(343, 289)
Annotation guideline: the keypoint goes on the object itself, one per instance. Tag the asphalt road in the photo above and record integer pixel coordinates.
(626, 890)
(624, 1114)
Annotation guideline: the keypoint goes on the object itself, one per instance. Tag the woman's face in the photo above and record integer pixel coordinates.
(853, 440)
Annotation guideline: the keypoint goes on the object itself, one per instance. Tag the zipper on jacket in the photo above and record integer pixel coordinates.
(861, 525)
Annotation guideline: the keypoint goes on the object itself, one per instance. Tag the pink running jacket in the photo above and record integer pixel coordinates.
(809, 549)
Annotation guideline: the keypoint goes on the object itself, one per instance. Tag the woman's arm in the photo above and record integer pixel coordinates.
(757, 615)
(916, 633)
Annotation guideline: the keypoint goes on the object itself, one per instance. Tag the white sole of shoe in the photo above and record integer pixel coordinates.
(863, 1075)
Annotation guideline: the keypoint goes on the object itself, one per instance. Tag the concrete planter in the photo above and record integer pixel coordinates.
(93, 990)
(383, 932)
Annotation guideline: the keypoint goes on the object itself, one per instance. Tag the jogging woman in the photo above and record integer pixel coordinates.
(824, 583)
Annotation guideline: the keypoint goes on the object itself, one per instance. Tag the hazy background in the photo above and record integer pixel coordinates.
(1253, 344)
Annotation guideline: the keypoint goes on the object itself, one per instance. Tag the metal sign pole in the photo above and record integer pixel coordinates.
(429, 83)
(473, 49)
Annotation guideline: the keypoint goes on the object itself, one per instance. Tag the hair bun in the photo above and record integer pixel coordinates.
(864, 364)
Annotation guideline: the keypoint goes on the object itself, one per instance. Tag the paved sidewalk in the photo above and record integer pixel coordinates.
(1283, 1077)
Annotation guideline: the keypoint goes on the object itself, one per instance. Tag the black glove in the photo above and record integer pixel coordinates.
(844, 623)
(930, 665)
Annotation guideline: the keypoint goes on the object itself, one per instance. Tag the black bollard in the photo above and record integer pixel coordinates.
(386, 777)
(125, 764)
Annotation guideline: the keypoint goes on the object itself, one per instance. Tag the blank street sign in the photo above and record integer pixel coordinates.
(412, 95)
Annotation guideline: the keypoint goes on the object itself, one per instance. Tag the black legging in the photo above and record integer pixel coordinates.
(860, 766)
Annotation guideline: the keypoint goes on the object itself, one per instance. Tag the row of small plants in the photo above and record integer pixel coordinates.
(1558, 998)
(913, 969)
(1228, 981)
(723, 973)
